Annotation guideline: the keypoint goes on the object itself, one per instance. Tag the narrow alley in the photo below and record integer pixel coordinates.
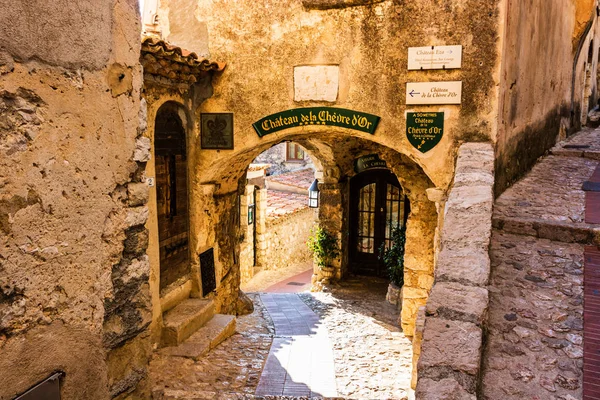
(344, 343)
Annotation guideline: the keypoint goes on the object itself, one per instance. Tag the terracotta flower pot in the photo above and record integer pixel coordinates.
(394, 294)
(327, 272)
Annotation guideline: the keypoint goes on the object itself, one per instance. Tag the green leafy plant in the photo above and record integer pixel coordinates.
(323, 245)
(393, 258)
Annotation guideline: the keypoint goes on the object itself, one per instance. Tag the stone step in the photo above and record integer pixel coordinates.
(183, 320)
(219, 328)
(559, 231)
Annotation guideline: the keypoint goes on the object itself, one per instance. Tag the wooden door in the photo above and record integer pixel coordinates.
(172, 197)
(377, 205)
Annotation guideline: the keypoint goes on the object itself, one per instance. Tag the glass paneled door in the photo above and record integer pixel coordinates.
(377, 205)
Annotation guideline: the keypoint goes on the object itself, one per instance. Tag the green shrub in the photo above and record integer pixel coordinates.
(393, 258)
(323, 245)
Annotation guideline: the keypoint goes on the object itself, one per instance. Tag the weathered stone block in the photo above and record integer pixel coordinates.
(27, 38)
(445, 389)
(471, 266)
(464, 229)
(185, 319)
(455, 345)
(475, 158)
(414, 293)
(137, 194)
(456, 301)
(142, 150)
(136, 241)
(476, 199)
(136, 216)
(244, 304)
(316, 83)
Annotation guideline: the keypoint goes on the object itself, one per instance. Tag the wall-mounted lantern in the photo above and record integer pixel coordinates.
(251, 214)
(313, 194)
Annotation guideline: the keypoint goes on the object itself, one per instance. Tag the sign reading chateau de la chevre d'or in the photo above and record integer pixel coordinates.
(434, 57)
(433, 93)
(424, 130)
(317, 116)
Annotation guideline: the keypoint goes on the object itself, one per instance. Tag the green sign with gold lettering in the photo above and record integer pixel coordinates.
(317, 116)
(424, 129)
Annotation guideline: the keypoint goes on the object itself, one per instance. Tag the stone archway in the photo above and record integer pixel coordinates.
(335, 151)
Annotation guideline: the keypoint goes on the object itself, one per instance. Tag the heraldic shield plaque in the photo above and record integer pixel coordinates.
(216, 130)
(424, 129)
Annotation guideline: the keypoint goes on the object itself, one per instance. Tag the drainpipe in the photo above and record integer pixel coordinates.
(588, 27)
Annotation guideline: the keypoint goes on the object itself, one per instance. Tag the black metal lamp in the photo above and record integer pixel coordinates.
(313, 194)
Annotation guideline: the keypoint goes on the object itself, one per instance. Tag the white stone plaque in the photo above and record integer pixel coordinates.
(433, 93)
(316, 82)
(434, 57)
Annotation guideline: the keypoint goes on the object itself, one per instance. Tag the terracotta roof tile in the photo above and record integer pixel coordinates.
(301, 179)
(281, 204)
(162, 59)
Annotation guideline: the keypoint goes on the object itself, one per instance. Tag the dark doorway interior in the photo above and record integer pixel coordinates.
(377, 205)
(172, 196)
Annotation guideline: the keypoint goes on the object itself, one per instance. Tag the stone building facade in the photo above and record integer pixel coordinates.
(74, 274)
(81, 285)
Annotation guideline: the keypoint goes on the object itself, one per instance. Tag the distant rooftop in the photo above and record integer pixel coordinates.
(300, 179)
(281, 204)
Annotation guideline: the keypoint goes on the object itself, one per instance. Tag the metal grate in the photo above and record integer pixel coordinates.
(49, 389)
(207, 271)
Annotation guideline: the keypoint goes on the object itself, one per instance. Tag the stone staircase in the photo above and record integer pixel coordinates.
(191, 329)
(535, 327)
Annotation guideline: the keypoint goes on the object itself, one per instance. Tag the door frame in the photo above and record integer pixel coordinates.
(359, 264)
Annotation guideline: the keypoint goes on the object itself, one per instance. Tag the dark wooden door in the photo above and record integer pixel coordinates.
(172, 197)
(377, 205)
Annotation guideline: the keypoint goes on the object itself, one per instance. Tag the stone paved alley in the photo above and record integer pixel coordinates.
(371, 356)
(534, 344)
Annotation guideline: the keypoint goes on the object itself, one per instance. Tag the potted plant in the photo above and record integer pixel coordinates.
(393, 259)
(324, 247)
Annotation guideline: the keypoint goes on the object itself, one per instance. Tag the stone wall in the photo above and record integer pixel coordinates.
(456, 311)
(73, 270)
(541, 96)
(285, 240)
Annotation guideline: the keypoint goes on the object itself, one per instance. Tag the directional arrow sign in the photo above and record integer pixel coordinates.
(434, 57)
(433, 93)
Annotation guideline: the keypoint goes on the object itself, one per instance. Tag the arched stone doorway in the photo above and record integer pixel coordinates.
(334, 150)
(170, 153)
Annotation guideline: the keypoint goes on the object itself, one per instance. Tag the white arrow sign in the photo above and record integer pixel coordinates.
(433, 93)
(434, 57)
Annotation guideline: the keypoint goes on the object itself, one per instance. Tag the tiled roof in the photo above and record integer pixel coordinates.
(301, 179)
(281, 204)
(167, 61)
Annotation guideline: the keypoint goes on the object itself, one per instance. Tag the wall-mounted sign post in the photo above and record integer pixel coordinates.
(424, 129)
(434, 57)
(433, 93)
(317, 116)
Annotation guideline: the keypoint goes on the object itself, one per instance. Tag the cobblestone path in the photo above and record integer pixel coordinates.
(230, 371)
(534, 344)
(371, 356)
(300, 362)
